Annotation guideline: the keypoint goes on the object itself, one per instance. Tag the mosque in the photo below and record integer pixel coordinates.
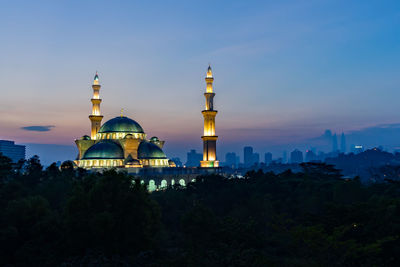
(122, 143)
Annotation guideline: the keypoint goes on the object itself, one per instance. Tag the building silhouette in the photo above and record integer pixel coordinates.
(284, 157)
(231, 160)
(296, 156)
(193, 158)
(268, 158)
(256, 159)
(12, 151)
(248, 156)
(334, 143)
(343, 143)
(310, 156)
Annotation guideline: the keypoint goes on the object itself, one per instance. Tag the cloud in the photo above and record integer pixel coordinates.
(37, 128)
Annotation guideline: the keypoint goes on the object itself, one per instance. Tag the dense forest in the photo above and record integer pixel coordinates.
(68, 217)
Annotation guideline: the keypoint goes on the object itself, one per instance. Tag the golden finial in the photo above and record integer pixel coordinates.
(122, 112)
(209, 71)
(96, 78)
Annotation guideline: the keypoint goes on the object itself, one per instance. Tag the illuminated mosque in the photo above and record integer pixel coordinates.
(122, 143)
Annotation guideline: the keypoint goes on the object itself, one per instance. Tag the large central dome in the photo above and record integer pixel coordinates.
(121, 124)
(104, 150)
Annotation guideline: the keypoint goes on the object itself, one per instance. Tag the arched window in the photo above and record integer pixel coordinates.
(152, 186)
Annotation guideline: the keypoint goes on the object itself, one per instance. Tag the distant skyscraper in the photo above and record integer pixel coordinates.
(310, 156)
(256, 159)
(334, 143)
(248, 156)
(268, 158)
(328, 133)
(296, 156)
(284, 157)
(193, 158)
(11, 150)
(343, 143)
(230, 160)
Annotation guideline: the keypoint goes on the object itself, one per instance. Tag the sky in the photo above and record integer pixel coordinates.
(284, 70)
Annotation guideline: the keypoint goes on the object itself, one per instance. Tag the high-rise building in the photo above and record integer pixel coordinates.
(334, 143)
(343, 147)
(193, 158)
(296, 156)
(209, 137)
(11, 150)
(256, 158)
(268, 158)
(230, 160)
(284, 157)
(248, 156)
(310, 156)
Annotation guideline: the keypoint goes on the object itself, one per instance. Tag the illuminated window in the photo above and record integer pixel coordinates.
(152, 186)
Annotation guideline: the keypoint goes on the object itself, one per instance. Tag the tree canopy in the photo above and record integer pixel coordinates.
(67, 217)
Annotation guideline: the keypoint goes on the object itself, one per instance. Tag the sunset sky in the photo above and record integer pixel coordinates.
(284, 70)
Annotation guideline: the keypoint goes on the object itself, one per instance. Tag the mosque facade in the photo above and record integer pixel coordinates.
(122, 143)
(118, 143)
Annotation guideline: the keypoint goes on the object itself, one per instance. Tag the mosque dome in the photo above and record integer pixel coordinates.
(131, 161)
(154, 139)
(104, 149)
(149, 150)
(121, 125)
(85, 137)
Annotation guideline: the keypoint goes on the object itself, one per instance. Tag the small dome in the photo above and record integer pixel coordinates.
(85, 137)
(104, 149)
(149, 150)
(171, 163)
(129, 136)
(131, 161)
(121, 124)
(154, 139)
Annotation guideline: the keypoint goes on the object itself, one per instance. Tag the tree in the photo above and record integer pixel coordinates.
(5, 168)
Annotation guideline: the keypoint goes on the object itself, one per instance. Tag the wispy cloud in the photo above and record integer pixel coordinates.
(38, 128)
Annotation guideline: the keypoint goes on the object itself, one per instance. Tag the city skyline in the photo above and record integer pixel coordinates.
(298, 69)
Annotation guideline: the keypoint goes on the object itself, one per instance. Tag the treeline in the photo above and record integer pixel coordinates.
(67, 217)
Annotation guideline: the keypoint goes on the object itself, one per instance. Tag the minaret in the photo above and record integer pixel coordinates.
(209, 137)
(95, 118)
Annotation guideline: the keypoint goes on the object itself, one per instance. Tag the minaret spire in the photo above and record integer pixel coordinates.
(209, 137)
(95, 117)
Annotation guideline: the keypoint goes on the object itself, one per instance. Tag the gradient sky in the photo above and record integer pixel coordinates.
(284, 70)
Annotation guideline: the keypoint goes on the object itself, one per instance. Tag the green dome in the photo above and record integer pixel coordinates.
(149, 150)
(104, 149)
(121, 124)
(85, 137)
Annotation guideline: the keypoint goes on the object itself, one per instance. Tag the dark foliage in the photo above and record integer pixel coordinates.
(67, 217)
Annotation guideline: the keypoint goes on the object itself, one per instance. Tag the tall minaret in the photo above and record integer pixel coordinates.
(209, 137)
(95, 118)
